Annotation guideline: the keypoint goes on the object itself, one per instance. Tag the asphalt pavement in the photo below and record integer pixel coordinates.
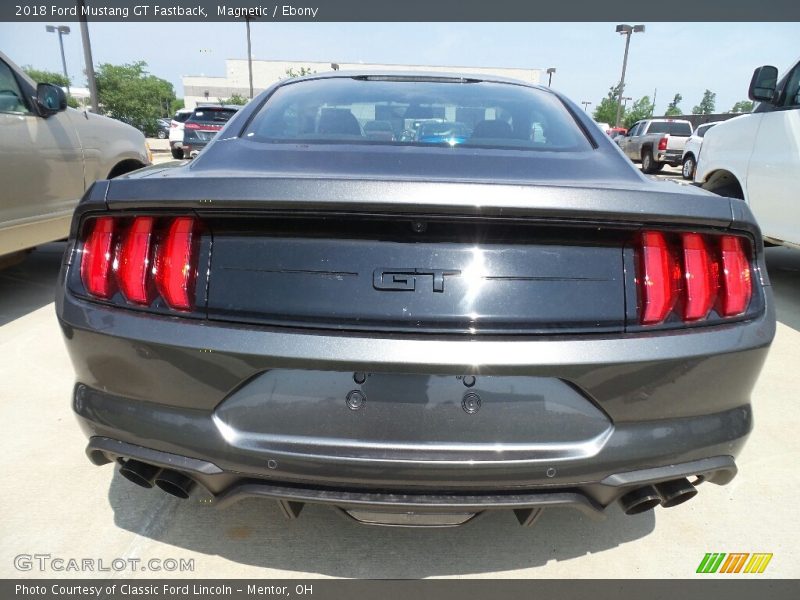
(56, 503)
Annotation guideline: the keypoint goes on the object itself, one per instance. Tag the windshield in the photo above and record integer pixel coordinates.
(217, 115)
(417, 112)
(671, 127)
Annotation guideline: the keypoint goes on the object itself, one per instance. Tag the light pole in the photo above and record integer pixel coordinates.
(627, 31)
(586, 104)
(62, 30)
(249, 56)
(550, 72)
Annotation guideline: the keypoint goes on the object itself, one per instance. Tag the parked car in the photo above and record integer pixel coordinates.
(50, 155)
(691, 150)
(755, 157)
(176, 131)
(656, 142)
(162, 132)
(415, 333)
(202, 125)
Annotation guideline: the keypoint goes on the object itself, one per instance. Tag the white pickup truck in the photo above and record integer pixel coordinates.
(656, 142)
(756, 157)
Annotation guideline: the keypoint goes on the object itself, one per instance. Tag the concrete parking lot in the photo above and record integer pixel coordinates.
(57, 503)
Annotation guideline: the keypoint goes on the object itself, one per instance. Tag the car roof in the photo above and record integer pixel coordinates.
(420, 75)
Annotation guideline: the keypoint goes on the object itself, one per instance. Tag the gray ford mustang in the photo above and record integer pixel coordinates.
(414, 329)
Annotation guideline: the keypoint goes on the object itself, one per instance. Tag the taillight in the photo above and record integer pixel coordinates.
(700, 277)
(134, 261)
(659, 277)
(174, 268)
(662, 143)
(143, 258)
(98, 255)
(690, 274)
(737, 287)
(191, 126)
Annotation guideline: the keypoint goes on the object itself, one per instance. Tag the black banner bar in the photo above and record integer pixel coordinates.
(715, 587)
(403, 11)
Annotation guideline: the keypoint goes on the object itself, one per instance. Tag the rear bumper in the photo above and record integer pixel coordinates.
(235, 408)
(672, 157)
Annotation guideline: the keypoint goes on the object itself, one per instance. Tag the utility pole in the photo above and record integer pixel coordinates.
(586, 104)
(627, 31)
(550, 72)
(653, 106)
(87, 57)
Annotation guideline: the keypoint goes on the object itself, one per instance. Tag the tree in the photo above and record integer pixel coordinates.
(672, 108)
(129, 93)
(742, 106)
(290, 72)
(641, 109)
(606, 110)
(42, 76)
(707, 104)
(236, 99)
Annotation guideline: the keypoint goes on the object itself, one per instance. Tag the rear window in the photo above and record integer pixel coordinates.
(217, 115)
(417, 112)
(671, 128)
(181, 116)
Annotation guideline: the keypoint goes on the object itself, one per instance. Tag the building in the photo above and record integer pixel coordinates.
(199, 89)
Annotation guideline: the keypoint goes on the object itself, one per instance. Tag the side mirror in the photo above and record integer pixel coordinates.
(50, 99)
(763, 84)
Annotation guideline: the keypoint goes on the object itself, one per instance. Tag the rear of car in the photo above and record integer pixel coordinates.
(176, 131)
(202, 125)
(414, 331)
(672, 136)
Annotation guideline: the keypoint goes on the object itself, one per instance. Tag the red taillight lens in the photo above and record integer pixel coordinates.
(659, 277)
(191, 126)
(700, 278)
(662, 143)
(134, 260)
(175, 271)
(97, 258)
(713, 273)
(737, 287)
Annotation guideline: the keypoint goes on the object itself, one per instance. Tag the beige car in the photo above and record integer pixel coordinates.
(49, 156)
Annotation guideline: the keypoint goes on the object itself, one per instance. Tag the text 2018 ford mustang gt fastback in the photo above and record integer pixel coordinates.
(414, 329)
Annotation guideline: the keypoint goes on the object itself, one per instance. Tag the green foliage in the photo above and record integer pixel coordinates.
(129, 93)
(707, 104)
(606, 110)
(72, 102)
(176, 105)
(672, 108)
(742, 106)
(236, 99)
(42, 76)
(641, 109)
(290, 72)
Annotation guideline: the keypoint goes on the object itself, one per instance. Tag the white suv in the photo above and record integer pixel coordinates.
(692, 149)
(176, 131)
(756, 157)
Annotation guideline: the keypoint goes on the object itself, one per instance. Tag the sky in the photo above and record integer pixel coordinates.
(685, 58)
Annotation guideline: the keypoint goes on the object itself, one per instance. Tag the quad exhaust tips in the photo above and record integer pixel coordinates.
(144, 475)
(667, 494)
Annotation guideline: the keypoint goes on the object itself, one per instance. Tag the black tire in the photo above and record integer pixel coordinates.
(689, 167)
(649, 164)
(177, 152)
(161, 134)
